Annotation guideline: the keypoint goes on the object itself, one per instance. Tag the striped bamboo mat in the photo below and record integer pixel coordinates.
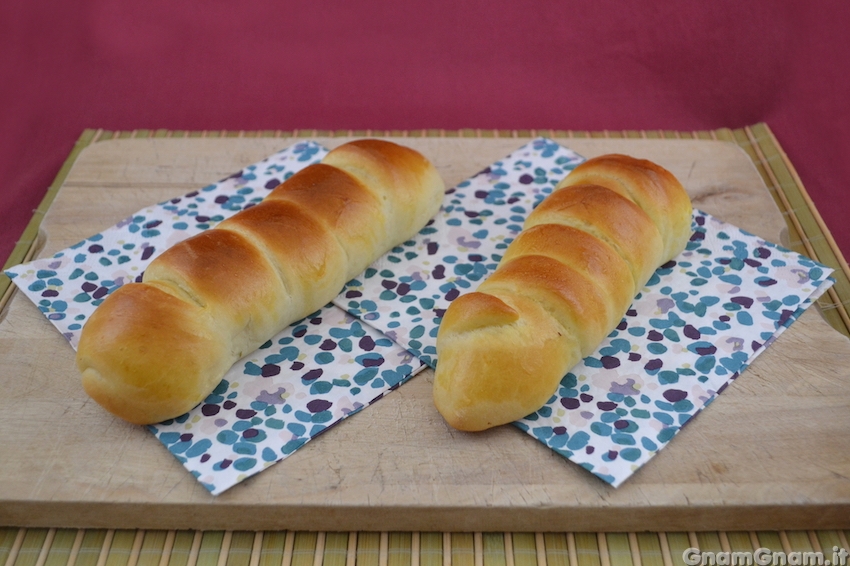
(72, 547)
(807, 232)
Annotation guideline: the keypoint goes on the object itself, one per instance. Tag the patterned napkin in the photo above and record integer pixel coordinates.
(695, 327)
(301, 382)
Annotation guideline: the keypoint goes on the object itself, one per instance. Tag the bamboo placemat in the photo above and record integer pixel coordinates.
(97, 547)
(807, 234)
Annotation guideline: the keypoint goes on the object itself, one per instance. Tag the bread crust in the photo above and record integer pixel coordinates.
(609, 217)
(473, 391)
(654, 189)
(159, 344)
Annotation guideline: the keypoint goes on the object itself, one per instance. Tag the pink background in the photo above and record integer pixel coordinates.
(266, 64)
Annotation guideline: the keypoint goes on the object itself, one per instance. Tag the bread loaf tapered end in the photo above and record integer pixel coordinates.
(494, 368)
(150, 356)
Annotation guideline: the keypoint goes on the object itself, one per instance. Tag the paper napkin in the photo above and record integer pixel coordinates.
(696, 326)
(298, 384)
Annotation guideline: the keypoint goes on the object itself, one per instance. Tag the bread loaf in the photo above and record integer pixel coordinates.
(153, 350)
(561, 287)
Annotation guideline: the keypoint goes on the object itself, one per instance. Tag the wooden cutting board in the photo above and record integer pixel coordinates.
(772, 452)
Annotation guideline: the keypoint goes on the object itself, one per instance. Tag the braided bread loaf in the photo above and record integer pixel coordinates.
(562, 286)
(153, 350)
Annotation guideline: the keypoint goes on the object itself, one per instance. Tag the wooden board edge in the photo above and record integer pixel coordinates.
(129, 515)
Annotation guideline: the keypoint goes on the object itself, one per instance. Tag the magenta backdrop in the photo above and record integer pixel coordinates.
(265, 64)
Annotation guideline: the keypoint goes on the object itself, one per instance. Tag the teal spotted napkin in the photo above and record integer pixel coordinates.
(698, 323)
(301, 382)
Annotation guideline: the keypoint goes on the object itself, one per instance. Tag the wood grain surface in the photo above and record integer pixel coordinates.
(772, 452)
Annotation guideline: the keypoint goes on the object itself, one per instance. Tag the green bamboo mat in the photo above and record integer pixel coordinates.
(807, 232)
(72, 547)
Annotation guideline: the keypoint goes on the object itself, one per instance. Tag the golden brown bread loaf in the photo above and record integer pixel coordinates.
(562, 286)
(153, 350)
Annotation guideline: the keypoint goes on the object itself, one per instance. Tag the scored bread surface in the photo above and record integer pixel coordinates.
(155, 349)
(561, 287)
